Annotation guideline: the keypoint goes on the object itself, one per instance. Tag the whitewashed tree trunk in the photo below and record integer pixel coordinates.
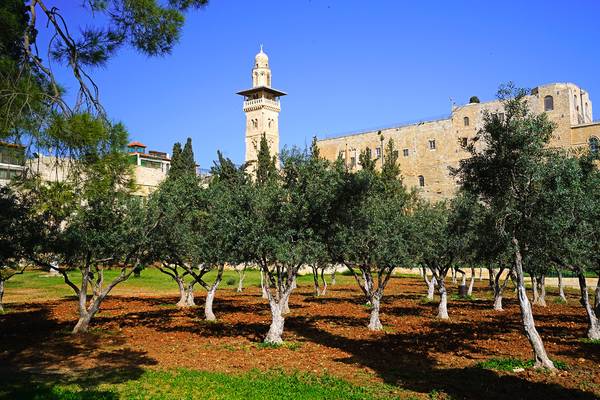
(277, 322)
(315, 273)
(480, 274)
(594, 324)
(324, 282)
(498, 289)
(264, 283)
(209, 315)
(561, 286)
(186, 294)
(542, 291)
(430, 282)
(210, 295)
(285, 306)
(539, 352)
(1, 296)
(374, 322)
(294, 283)
(241, 276)
(443, 305)
(534, 289)
(333, 275)
(471, 283)
(453, 275)
(597, 297)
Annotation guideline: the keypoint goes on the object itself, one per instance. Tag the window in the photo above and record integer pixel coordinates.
(405, 152)
(352, 162)
(421, 181)
(432, 144)
(548, 103)
(377, 152)
(342, 155)
(7, 174)
(466, 121)
(594, 145)
(501, 117)
(463, 142)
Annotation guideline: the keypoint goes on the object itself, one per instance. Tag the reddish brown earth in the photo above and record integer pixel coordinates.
(416, 352)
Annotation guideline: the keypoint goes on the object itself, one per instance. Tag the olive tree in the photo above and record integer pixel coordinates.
(89, 221)
(502, 173)
(371, 233)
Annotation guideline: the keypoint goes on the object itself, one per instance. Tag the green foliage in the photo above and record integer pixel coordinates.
(366, 161)
(266, 166)
(230, 281)
(182, 161)
(474, 99)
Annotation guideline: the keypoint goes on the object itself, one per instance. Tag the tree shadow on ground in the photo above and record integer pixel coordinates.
(406, 360)
(36, 351)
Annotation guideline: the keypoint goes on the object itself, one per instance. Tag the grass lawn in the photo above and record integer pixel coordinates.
(38, 285)
(187, 384)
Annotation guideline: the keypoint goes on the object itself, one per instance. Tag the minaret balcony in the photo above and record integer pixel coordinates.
(255, 104)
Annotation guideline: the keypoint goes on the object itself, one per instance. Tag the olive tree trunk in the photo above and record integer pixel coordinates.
(430, 282)
(561, 285)
(374, 322)
(186, 293)
(277, 321)
(315, 273)
(1, 296)
(443, 304)
(597, 297)
(498, 287)
(209, 315)
(324, 282)
(539, 352)
(594, 324)
(471, 282)
(333, 275)
(541, 283)
(263, 285)
(241, 276)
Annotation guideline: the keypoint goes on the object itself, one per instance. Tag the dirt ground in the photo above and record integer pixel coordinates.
(416, 352)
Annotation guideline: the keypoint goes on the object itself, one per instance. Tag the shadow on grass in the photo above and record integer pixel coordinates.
(37, 352)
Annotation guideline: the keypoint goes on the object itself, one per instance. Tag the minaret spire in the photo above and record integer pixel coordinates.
(262, 107)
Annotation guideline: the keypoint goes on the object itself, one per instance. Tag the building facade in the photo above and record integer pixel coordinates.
(262, 107)
(428, 149)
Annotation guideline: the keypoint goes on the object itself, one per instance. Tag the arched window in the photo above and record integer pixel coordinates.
(594, 145)
(466, 121)
(548, 103)
(421, 180)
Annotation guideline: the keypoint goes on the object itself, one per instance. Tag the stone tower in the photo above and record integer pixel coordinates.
(261, 105)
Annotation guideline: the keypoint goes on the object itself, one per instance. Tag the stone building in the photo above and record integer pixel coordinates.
(149, 169)
(262, 107)
(427, 149)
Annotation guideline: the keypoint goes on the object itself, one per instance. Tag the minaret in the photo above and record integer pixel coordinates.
(261, 105)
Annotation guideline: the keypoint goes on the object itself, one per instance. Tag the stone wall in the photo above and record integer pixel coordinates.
(429, 149)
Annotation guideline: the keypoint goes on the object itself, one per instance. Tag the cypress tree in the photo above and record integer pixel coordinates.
(265, 164)
(188, 165)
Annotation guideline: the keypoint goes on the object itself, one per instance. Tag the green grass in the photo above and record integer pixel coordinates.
(460, 298)
(187, 384)
(590, 341)
(284, 345)
(510, 364)
(42, 286)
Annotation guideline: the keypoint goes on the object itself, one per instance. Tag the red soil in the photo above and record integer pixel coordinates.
(416, 352)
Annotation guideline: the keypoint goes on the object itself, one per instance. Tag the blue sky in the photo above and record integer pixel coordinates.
(346, 65)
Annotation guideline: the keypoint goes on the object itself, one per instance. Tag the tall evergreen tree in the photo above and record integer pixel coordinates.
(266, 165)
